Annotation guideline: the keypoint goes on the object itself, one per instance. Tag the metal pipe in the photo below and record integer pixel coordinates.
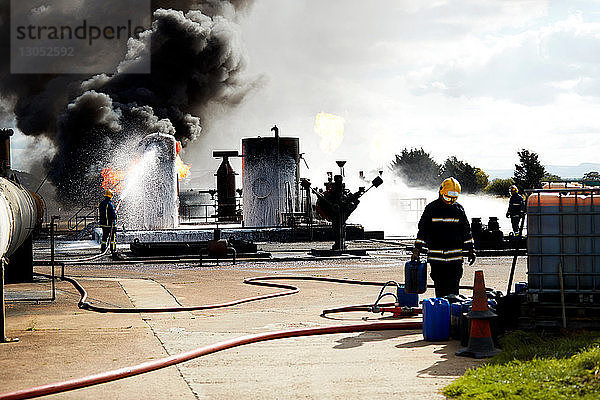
(52, 219)
(126, 372)
(5, 135)
(3, 338)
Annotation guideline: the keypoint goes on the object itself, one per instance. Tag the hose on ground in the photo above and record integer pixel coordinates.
(257, 281)
(85, 305)
(363, 308)
(109, 376)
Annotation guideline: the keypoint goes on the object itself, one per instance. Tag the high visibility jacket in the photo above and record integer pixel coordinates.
(108, 216)
(516, 205)
(445, 231)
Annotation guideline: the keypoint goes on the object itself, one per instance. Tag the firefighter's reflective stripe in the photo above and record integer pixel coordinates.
(469, 241)
(455, 251)
(430, 258)
(452, 251)
(419, 241)
(113, 242)
(444, 220)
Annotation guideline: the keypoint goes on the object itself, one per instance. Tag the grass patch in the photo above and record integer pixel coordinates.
(536, 367)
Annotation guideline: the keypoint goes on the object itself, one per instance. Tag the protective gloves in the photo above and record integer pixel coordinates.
(415, 255)
(471, 257)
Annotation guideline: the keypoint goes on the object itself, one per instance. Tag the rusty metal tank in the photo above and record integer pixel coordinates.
(227, 207)
(270, 177)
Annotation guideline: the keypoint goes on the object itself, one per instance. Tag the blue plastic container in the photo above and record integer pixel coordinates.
(407, 299)
(415, 277)
(436, 319)
(456, 313)
(520, 287)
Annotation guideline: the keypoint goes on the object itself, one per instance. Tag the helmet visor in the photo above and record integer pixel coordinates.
(449, 199)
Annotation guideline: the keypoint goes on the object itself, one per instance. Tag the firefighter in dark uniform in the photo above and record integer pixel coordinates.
(516, 208)
(445, 231)
(108, 220)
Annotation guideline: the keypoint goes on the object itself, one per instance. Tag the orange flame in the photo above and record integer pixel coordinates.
(183, 170)
(112, 179)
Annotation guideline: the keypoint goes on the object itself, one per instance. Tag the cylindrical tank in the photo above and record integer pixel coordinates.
(563, 232)
(150, 199)
(226, 191)
(270, 176)
(20, 212)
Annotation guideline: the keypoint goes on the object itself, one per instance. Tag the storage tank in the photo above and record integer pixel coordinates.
(196, 205)
(564, 233)
(20, 212)
(149, 199)
(227, 206)
(270, 176)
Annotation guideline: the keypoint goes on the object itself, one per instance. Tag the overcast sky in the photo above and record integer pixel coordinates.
(471, 78)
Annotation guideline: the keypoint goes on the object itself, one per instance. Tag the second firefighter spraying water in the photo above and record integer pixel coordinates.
(445, 232)
(108, 220)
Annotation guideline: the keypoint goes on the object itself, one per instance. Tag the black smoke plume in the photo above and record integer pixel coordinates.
(195, 58)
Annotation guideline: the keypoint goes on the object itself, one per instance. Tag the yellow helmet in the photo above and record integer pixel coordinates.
(108, 193)
(449, 190)
(513, 189)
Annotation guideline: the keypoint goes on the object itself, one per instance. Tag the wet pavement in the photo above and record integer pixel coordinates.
(59, 341)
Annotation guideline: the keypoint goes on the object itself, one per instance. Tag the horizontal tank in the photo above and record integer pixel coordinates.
(20, 212)
(270, 176)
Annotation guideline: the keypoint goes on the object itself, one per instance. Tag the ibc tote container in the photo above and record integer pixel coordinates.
(563, 230)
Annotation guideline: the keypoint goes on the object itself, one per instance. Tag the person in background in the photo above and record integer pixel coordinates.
(445, 231)
(516, 209)
(108, 220)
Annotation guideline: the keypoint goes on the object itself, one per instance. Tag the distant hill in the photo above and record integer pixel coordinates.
(564, 171)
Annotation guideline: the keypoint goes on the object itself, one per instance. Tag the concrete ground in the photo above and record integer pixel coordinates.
(58, 341)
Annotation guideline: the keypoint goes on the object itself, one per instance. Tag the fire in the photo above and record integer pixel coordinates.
(331, 129)
(183, 170)
(112, 179)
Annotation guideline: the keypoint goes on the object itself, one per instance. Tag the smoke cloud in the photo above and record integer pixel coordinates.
(196, 61)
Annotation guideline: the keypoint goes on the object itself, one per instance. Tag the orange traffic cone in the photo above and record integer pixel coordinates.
(481, 344)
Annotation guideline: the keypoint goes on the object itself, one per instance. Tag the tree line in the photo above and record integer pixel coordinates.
(417, 168)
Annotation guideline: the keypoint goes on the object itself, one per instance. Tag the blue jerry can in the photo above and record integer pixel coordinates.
(415, 277)
(436, 319)
(407, 299)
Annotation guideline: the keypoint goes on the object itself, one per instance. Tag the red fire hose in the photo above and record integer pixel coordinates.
(126, 372)
(109, 376)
